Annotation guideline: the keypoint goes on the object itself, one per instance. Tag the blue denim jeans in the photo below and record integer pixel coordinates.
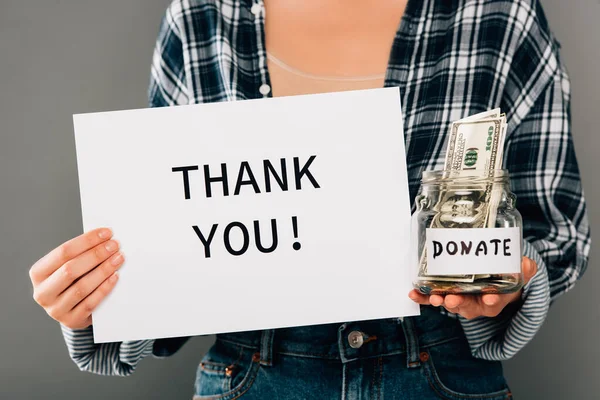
(425, 357)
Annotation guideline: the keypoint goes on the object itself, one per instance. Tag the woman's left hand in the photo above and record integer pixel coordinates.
(473, 306)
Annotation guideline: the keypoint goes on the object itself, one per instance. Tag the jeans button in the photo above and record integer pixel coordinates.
(355, 339)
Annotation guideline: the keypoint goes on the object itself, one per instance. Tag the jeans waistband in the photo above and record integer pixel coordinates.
(350, 341)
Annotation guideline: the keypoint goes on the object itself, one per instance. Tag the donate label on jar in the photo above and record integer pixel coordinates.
(473, 251)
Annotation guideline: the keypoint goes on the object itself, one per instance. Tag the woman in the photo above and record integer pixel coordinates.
(450, 59)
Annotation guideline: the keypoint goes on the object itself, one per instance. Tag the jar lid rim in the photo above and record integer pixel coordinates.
(449, 175)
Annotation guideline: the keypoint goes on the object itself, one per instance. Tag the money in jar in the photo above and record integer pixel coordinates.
(468, 234)
(467, 231)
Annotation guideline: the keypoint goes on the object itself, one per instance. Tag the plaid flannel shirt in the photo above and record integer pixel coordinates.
(451, 59)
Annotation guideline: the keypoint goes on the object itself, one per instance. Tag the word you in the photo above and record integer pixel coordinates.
(239, 228)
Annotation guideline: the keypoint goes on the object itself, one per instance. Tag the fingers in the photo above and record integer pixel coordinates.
(490, 300)
(71, 280)
(81, 315)
(453, 301)
(72, 270)
(493, 304)
(465, 305)
(80, 290)
(47, 265)
(468, 306)
(450, 302)
(473, 306)
(419, 297)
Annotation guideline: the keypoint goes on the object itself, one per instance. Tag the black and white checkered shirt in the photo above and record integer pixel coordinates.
(451, 59)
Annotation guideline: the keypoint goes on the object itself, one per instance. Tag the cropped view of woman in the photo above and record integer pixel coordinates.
(450, 59)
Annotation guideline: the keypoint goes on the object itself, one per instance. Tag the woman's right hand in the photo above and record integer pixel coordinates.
(71, 280)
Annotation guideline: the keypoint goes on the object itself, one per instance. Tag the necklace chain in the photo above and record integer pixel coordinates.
(307, 75)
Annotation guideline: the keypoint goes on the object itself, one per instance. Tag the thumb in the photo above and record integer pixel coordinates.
(529, 268)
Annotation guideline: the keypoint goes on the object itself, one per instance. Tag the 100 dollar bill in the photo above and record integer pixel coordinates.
(475, 146)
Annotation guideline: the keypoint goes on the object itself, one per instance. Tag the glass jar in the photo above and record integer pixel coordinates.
(467, 234)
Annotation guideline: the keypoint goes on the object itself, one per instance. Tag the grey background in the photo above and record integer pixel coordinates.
(58, 58)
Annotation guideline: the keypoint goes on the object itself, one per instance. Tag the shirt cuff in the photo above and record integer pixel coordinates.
(501, 337)
(120, 358)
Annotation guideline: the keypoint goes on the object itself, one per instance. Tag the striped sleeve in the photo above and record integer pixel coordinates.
(167, 88)
(545, 178)
(107, 358)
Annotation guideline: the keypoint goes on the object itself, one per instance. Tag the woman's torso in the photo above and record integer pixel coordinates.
(450, 59)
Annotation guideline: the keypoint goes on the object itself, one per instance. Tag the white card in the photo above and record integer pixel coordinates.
(464, 251)
(352, 213)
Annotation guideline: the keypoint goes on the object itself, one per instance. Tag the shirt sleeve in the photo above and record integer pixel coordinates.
(545, 177)
(106, 358)
(168, 81)
(167, 88)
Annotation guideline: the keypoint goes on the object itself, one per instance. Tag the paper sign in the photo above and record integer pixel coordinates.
(460, 251)
(250, 215)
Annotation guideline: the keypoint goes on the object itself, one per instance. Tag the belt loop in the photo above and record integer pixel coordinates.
(413, 359)
(266, 347)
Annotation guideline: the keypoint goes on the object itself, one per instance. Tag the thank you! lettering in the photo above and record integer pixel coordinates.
(245, 179)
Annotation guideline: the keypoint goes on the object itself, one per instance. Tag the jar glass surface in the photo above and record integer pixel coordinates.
(465, 200)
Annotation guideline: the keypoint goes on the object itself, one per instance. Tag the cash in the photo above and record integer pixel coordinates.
(476, 144)
(475, 148)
